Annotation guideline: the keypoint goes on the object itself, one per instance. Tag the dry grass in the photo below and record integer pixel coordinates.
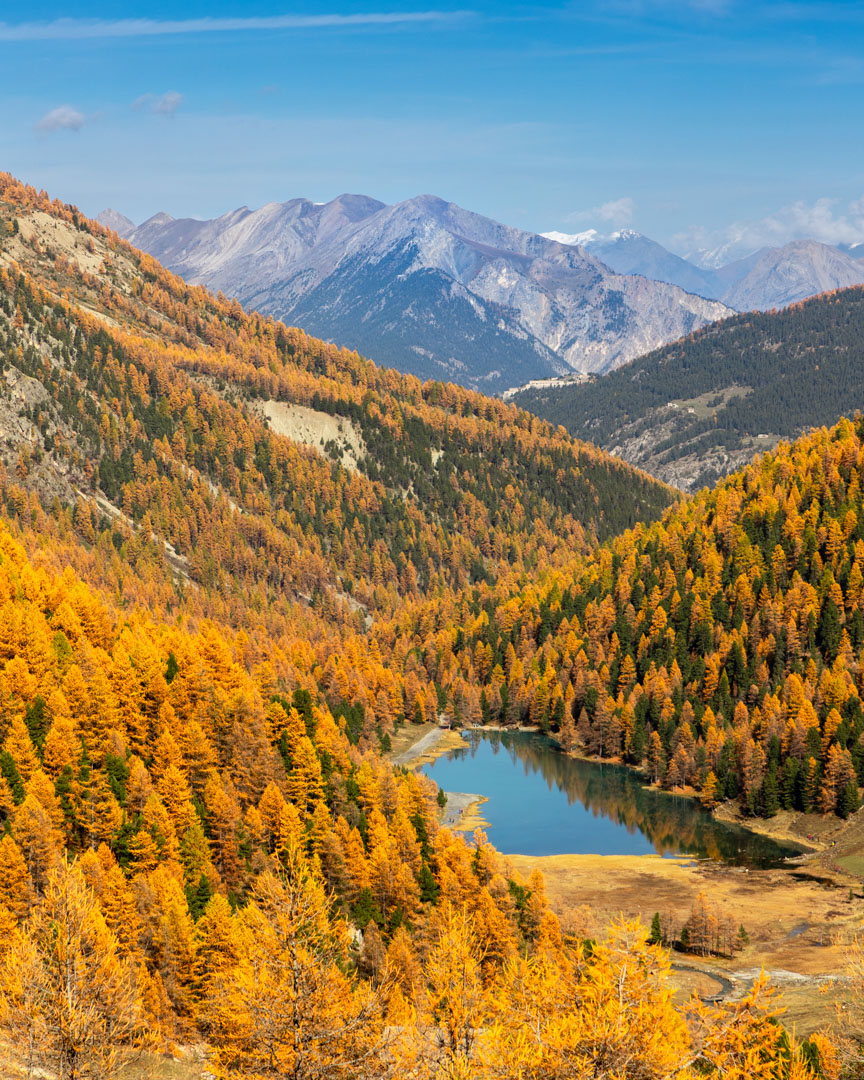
(186, 1063)
(795, 923)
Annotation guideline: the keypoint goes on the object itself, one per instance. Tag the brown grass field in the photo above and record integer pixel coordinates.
(796, 924)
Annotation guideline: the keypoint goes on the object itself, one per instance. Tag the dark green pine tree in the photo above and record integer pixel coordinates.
(198, 896)
(366, 909)
(848, 801)
(429, 888)
(12, 777)
(770, 792)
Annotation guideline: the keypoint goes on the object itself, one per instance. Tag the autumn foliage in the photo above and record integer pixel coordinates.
(208, 634)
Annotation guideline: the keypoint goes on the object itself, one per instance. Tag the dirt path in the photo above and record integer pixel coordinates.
(423, 745)
(710, 986)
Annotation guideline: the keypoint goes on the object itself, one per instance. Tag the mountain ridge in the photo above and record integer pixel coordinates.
(496, 306)
(700, 408)
(767, 278)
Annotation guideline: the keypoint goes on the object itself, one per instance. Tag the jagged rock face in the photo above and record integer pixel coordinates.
(429, 288)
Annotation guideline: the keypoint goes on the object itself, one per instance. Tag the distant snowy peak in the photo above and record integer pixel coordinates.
(592, 236)
(722, 256)
(579, 239)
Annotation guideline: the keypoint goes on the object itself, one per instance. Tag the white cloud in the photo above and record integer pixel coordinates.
(79, 29)
(168, 104)
(63, 118)
(617, 212)
(823, 220)
(163, 104)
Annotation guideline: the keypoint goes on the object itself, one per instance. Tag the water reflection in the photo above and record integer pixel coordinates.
(542, 802)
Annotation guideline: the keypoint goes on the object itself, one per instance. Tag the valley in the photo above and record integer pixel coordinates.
(246, 575)
(432, 621)
(613, 847)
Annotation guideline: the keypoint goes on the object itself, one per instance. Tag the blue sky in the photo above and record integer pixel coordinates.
(668, 116)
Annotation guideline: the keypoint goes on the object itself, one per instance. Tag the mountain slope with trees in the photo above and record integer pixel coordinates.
(721, 648)
(201, 841)
(702, 407)
(142, 400)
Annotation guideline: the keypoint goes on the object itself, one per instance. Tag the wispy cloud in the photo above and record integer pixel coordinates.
(79, 29)
(168, 104)
(616, 212)
(824, 220)
(667, 7)
(162, 104)
(63, 118)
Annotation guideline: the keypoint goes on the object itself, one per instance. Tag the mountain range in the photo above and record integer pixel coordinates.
(763, 279)
(427, 287)
(444, 293)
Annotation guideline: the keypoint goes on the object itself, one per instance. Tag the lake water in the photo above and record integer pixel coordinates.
(542, 802)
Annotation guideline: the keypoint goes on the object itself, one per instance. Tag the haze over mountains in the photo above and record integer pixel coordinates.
(761, 280)
(427, 287)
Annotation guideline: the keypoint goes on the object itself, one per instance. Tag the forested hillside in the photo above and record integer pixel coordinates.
(704, 406)
(721, 648)
(205, 641)
(190, 854)
(145, 402)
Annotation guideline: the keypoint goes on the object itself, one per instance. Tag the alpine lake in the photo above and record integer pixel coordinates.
(541, 801)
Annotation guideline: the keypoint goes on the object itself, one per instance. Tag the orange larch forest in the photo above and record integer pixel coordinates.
(209, 633)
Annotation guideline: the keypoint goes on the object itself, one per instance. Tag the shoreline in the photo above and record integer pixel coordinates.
(828, 846)
(430, 742)
(817, 835)
(462, 812)
(530, 729)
